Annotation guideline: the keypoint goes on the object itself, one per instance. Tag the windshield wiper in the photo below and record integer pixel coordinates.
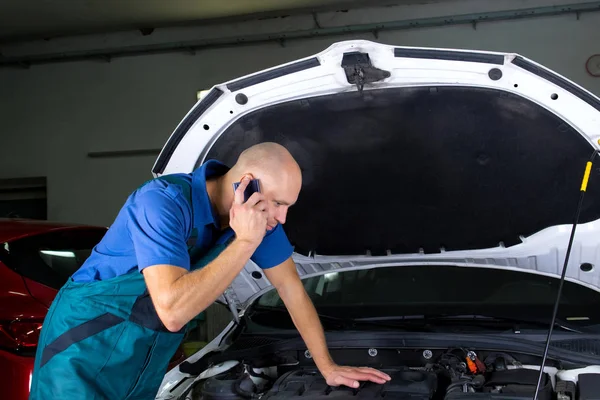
(478, 319)
(419, 322)
(343, 323)
(558, 323)
(329, 318)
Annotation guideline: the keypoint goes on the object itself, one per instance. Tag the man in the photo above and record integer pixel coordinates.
(112, 330)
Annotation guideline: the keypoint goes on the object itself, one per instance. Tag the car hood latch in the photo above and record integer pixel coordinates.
(359, 69)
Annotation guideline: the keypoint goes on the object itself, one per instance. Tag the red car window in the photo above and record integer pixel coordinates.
(50, 258)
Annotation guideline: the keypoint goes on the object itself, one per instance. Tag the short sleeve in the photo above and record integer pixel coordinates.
(157, 227)
(273, 250)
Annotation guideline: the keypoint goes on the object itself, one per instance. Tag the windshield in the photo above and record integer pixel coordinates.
(422, 291)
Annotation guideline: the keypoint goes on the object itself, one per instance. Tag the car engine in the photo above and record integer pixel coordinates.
(456, 374)
(309, 384)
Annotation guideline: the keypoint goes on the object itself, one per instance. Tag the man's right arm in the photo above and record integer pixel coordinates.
(179, 295)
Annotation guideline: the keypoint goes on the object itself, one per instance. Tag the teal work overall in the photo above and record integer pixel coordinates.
(104, 340)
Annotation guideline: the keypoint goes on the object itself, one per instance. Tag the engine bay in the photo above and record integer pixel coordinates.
(453, 374)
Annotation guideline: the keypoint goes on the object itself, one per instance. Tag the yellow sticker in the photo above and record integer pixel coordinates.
(586, 176)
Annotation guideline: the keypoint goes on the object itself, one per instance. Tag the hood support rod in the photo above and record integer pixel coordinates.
(583, 189)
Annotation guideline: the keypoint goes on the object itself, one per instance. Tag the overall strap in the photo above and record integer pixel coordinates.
(186, 187)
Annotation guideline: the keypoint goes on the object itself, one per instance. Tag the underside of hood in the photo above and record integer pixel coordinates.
(409, 152)
(409, 170)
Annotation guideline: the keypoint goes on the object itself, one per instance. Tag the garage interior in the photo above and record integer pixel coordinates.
(91, 90)
(90, 100)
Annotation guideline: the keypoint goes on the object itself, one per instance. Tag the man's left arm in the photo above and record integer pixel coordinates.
(285, 279)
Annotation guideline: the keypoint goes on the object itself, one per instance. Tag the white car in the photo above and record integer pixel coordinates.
(439, 194)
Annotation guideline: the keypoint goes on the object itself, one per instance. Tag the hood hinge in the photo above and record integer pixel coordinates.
(232, 303)
(359, 70)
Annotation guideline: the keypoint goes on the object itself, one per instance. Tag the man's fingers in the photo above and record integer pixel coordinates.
(380, 374)
(341, 380)
(238, 197)
(352, 376)
(364, 376)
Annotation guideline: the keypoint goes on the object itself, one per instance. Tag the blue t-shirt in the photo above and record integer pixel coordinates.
(155, 223)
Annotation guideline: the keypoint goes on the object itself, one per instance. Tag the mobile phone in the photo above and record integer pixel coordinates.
(253, 186)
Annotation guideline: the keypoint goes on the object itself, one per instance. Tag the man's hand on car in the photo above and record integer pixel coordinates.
(350, 376)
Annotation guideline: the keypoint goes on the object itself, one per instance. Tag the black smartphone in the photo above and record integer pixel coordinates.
(253, 186)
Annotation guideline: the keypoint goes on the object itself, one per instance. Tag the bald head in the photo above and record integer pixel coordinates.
(270, 159)
(267, 156)
(279, 175)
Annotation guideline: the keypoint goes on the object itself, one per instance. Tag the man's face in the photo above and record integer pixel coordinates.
(281, 190)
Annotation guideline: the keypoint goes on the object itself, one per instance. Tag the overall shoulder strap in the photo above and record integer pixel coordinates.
(178, 180)
(186, 187)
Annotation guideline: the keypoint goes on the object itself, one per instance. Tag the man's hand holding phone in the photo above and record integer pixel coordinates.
(248, 219)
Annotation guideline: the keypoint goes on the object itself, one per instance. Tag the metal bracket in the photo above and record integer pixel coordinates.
(360, 71)
(231, 303)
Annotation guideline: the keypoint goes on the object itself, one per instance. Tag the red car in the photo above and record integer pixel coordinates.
(36, 259)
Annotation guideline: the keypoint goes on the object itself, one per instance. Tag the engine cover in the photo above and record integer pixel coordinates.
(310, 384)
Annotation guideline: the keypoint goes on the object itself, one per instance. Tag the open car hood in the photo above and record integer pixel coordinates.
(413, 156)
